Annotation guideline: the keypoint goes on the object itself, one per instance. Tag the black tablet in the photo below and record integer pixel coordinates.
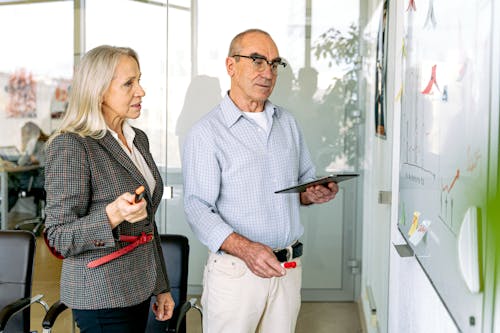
(337, 178)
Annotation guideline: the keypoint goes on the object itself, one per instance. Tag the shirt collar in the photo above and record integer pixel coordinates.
(231, 113)
(128, 132)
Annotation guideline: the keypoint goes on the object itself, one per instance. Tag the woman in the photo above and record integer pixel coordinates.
(94, 160)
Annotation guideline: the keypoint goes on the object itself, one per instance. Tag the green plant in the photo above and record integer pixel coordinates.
(343, 51)
(341, 98)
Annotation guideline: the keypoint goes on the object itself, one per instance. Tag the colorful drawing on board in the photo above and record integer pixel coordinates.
(411, 5)
(402, 219)
(21, 90)
(400, 94)
(448, 188)
(431, 17)
(432, 82)
(414, 223)
(419, 234)
(444, 98)
(472, 159)
(462, 70)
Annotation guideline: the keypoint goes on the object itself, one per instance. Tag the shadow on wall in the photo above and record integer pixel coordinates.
(283, 89)
(203, 93)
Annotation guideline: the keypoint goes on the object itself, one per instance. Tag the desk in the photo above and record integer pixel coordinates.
(5, 169)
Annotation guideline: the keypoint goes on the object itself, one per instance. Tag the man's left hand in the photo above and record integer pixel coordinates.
(319, 194)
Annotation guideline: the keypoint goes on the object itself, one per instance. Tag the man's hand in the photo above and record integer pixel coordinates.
(259, 258)
(163, 308)
(319, 194)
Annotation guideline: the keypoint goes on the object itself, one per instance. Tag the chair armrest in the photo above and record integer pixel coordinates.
(52, 314)
(184, 310)
(11, 309)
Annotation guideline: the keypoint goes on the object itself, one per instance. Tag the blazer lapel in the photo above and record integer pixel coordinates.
(110, 143)
(144, 150)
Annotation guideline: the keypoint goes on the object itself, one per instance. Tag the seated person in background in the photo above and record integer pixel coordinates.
(33, 152)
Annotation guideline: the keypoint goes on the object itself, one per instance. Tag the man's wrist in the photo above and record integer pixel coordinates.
(304, 200)
(235, 244)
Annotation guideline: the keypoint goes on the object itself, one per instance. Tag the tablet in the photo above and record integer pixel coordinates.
(337, 178)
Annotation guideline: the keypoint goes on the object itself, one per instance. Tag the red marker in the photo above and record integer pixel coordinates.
(289, 264)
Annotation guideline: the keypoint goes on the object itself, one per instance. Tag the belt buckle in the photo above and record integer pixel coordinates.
(289, 253)
(286, 253)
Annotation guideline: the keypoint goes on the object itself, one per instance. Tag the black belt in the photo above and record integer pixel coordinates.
(285, 255)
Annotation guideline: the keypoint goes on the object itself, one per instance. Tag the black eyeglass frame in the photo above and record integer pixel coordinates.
(273, 63)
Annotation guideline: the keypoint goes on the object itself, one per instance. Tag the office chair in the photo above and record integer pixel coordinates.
(38, 192)
(176, 252)
(17, 253)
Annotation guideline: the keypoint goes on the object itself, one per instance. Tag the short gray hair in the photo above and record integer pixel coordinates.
(235, 46)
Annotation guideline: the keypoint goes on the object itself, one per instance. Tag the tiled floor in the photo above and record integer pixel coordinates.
(313, 317)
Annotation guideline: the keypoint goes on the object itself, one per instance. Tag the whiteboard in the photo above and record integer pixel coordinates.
(445, 112)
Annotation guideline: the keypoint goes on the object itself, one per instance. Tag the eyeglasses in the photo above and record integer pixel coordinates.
(260, 62)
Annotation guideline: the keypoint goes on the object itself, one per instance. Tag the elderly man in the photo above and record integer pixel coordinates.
(234, 159)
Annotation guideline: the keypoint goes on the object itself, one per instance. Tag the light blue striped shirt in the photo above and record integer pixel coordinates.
(231, 169)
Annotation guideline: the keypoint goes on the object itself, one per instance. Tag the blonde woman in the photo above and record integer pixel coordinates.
(95, 161)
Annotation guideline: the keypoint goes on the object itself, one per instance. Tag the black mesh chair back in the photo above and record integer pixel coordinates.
(176, 253)
(36, 190)
(17, 252)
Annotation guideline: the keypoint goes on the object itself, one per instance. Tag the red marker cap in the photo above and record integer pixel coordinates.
(289, 264)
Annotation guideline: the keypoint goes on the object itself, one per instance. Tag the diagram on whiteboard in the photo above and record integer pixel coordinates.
(442, 149)
(444, 121)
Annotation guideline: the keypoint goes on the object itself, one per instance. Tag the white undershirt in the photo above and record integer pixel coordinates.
(260, 118)
(135, 155)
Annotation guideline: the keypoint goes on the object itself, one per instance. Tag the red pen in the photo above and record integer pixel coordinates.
(289, 264)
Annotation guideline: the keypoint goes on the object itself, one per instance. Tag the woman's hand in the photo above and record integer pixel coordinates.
(163, 308)
(125, 209)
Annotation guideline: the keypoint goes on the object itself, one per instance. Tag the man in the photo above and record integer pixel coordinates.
(234, 159)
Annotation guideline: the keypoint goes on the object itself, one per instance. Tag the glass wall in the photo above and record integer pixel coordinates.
(133, 24)
(319, 41)
(182, 46)
(36, 64)
(319, 76)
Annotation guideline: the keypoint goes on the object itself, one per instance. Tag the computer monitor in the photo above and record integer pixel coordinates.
(10, 153)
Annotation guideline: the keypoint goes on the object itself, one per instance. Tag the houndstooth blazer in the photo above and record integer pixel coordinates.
(82, 176)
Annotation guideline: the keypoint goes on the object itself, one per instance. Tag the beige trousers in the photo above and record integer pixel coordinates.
(235, 300)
